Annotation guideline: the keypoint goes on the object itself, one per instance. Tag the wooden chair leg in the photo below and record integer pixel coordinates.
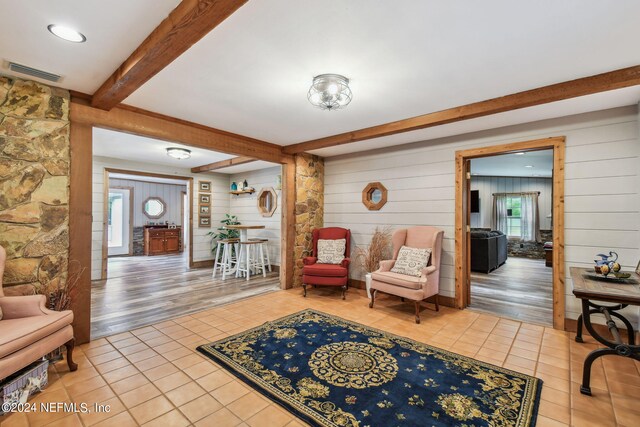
(304, 290)
(437, 306)
(373, 297)
(417, 304)
(70, 345)
(344, 290)
(402, 299)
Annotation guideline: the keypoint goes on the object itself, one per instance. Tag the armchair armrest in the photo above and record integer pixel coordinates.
(345, 262)
(310, 260)
(24, 306)
(428, 270)
(387, 265)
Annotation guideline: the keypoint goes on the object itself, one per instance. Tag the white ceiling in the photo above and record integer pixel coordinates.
(119, 145)
(515, 165)
(405, 58)
(251, 74)
(113, 29)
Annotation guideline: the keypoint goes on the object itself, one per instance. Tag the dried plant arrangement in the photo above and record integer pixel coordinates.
(60, 293)
(368, 259)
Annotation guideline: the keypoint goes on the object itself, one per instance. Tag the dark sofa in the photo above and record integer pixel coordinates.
(488, 250)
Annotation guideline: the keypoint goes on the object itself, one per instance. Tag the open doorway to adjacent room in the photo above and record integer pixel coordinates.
(155, 219)
(510, 230)
(511, 235)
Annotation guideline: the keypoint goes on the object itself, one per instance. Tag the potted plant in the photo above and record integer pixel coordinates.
(223, 233)
(368, 259)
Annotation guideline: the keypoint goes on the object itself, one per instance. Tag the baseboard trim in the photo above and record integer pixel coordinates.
(203, 264)
(442, 300)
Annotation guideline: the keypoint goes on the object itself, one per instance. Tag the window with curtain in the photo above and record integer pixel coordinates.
(514, 220)
(516, 215)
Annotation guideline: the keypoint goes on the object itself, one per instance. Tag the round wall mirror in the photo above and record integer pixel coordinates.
(154, 207)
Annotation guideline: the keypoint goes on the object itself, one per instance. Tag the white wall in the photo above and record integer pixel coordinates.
(487, 185)
(602, 191)
(171, 195)
(201, 242)
(245, 207)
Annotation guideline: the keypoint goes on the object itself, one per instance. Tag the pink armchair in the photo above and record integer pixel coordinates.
(413, 288)
(28, 330)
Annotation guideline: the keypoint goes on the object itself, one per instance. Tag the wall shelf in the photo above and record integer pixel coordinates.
(238, 192)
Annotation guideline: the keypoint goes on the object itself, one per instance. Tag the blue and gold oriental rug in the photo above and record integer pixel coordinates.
(333, 372)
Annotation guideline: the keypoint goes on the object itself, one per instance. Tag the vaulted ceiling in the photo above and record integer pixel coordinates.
(250, 74)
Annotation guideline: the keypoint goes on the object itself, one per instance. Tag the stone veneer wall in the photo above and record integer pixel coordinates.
(34, 181)
(309, 211)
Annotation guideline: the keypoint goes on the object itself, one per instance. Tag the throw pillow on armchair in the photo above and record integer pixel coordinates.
(331, 251)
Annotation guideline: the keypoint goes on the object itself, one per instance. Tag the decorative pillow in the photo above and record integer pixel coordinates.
(411, 261)
(331, 251)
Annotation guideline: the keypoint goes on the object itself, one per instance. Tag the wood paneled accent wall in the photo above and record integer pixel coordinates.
(487, 185)
(601, 164)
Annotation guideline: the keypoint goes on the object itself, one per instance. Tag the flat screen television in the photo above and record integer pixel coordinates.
(475, 201)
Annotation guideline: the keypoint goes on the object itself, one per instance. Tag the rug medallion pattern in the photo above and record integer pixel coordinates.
(333, 372)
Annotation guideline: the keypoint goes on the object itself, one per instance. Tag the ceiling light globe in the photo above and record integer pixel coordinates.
(178, 153)
(330, 92)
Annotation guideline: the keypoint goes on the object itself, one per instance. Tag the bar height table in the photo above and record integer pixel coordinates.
(244, 237)
(622, 295)
(243, 230)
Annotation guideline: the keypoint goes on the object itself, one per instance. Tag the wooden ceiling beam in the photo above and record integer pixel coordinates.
(186, 24)
(223, 164)
(144, 123)
(557, 92)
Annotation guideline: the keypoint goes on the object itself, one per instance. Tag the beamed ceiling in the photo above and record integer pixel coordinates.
(249, 74)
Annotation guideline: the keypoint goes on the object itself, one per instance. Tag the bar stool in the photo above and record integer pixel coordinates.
(246, 263)
(266, 251)
(229, 260)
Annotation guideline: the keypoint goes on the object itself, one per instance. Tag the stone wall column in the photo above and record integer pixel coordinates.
(309, 209)
(34, 182)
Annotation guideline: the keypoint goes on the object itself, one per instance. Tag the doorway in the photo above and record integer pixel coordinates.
(119, 221)
(511, 235)
(511, 224)
(134, 201)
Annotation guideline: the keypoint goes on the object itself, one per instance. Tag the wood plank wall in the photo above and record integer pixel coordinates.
(487, 185)
(171, 194)
(245, 207)
(601, 188)
(201, 242)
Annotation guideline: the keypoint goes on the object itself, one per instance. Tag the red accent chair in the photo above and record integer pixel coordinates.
(327, 274)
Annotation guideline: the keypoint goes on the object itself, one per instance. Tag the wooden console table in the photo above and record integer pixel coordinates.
(622, 295)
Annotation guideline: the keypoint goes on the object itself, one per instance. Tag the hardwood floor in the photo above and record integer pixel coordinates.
(521, 289)
(145, 290)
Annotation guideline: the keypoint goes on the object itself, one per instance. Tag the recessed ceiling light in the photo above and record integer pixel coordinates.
(66, 33)
(519, 154)
(528, 166)
(178, 153)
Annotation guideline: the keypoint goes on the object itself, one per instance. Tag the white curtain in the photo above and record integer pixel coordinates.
(530, 218)
(499, 217)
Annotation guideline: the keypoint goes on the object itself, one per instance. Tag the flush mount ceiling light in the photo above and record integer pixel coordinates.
(178, 153)
(520, 154)
(330, 92)
(528, 166)
(66, 33)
